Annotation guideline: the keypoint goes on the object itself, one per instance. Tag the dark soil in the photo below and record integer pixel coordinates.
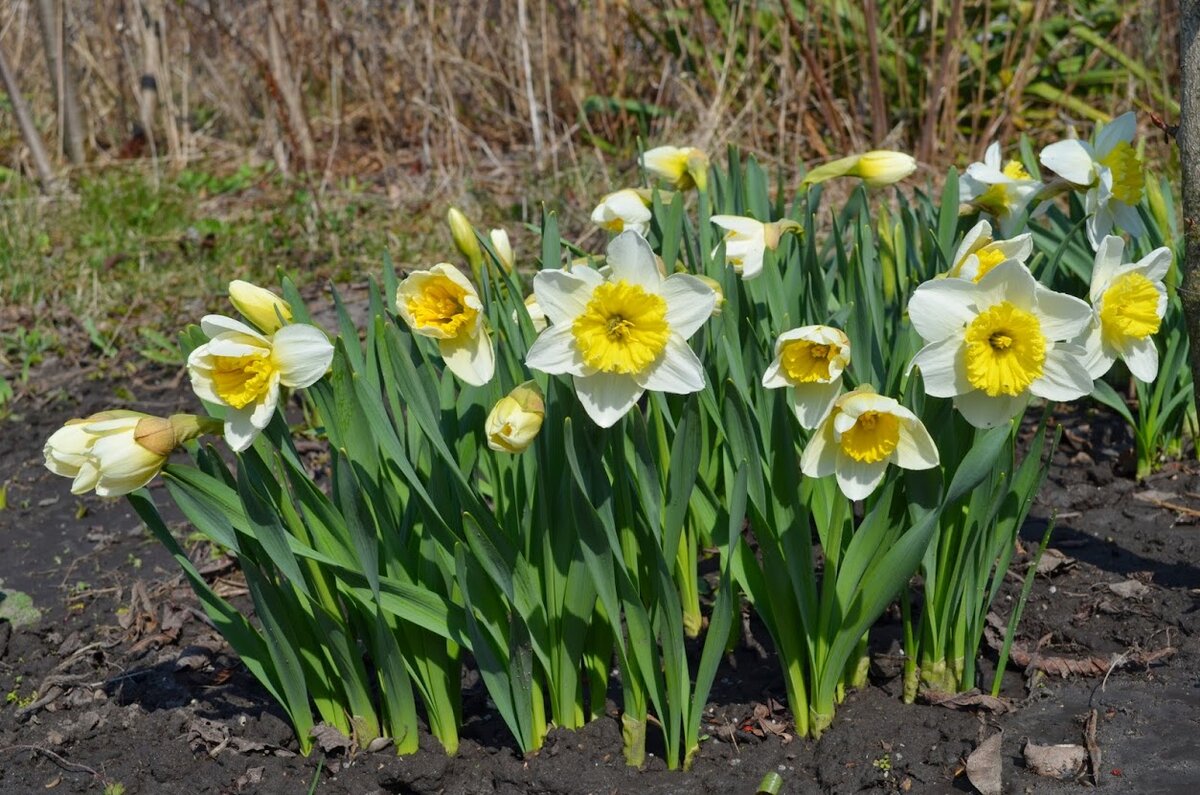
(122, 681)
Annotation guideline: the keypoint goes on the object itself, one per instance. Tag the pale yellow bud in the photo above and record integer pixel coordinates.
(503, 248)
(516, 419)
(877, 168)
(260, 306)
(716, 288)
(684, 167)
(464, 237)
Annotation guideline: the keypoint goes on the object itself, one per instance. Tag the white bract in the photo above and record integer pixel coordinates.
(243, 370)
(810, 361)
(862, 435)
(621, 334)
(624, 209)
(442, 304)
(979, 252)
(1000, 189)
(1129, 301)
(1111, 173)
(995, 343)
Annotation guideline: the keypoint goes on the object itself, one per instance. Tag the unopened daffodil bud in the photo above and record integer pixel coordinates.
(503, 248)
(516, 419)
(116, 452)
(464, 238)
(877, 168)
(260, 306)
(684, 167)
(716, 288)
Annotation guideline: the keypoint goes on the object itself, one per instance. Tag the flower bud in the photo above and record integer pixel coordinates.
(503, 248)
(260, 306)
(464, 237)
(684, 167)
(516, 419)
(716, 288)
(876, 168)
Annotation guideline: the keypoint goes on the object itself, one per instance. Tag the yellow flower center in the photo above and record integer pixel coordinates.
(1129, 309)
(989, 257)
(1005, 350)
(1014, 170)
(873, 438)
(623, 329)
(242, 380)
(442, 305)
(1128, 179)
(806, 362)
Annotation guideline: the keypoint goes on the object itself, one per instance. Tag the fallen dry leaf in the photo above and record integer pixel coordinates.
(330, 739)
(972, 699)
(1053, 561)
(1093, 747)
(984, 766)
(1129, 589)
(1056, 761)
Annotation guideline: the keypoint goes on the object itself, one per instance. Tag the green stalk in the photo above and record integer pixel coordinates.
(688, 578)
(911, 682)
(597, 659)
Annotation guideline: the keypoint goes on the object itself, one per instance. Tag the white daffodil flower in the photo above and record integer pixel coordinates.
(116, 452)
(244, 370)
(747, 241)
(260, 306)
(1111, 173)
(619, 335)
(995, 343)
(810, 361)
(1128, 304)
(1000, 189)
(877, 168)
(442, 304)
(979, 252)
(684, 167)
(624, 209)
(862, 435)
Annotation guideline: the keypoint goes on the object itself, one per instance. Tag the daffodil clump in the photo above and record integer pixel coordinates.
(527, 462)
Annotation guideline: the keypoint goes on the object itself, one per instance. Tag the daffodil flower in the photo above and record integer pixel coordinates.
(243, 370)
(1002, 190)
(260, 306)
(624, 209)
(979, 252)
(116, 452)
(536, 315)
(516, 419)
(862, 435)
(442, 304)
(877, 168)
(810, 361)
(994, 344)
(1111, 173)
(1128, 302)
(619, 335)
(747, 240)
(684, 167)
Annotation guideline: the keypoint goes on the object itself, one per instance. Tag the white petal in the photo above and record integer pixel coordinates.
(858, 479)
(1141, 357)
(1009, 281)
(813, 402)
(85, 480)
(741, 226)
(1127, 218)
(988, 412)
(470, 357)
(555, 352)
(819, 458)
(916, 449)
(773, 378)
(1063, 317)
(1122, 128)
(989, 175)
(1072, 160)
(564, 295)
(631, 260)
(1099, 224)
(752, 263)
(991, 155)
(943, 367)
(607, 397)
(977, 237)
(240, 430)
(1109, 255)
(690, 303)
(1064, 374)
(458, 277)
(261, 412)
(302, 354)
(1097, 359)
(235, 346)
(942, 308)
(212, 325)
(1154, 266)
(678, 370)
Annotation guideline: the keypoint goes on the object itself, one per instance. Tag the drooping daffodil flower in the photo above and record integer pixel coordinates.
(878, 168)
(116, 452)
(442, 304)
(260, 306)
(994, 344)
(979, 252)
(809, 361)
(516, 418)
(243, 370)
(747, 241)
(1129, 301)
(1111, 173)
(627, 208)
(685, 167)
(621, 334)
(1002, 190)
(862, 434)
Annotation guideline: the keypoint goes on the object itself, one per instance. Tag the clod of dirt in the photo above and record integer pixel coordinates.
(1056, 761)
(984, 766)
